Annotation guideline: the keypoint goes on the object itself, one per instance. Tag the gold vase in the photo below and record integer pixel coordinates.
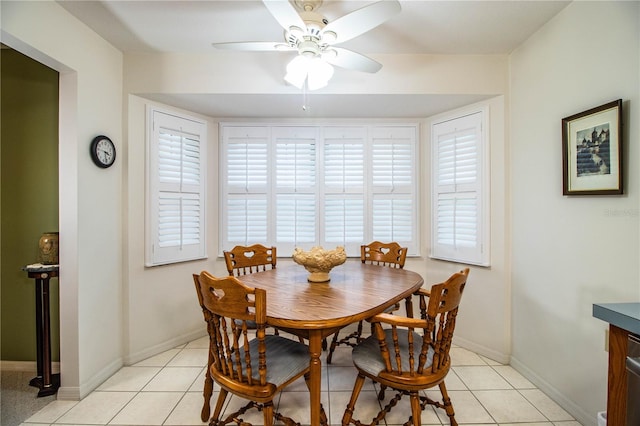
(48, 246)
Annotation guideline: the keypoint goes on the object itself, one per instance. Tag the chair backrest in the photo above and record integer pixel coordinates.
(438, 320)
(228, 305)
(243, 260)
(385, 254)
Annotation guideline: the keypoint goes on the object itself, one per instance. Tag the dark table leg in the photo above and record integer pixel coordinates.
(45, 380)
(37, 381)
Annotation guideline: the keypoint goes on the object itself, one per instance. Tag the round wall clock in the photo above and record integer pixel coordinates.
(103, 151)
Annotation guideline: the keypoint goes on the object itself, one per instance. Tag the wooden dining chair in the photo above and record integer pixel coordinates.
(376, 253)
(242, 260)
(409, 354)
(253, 368)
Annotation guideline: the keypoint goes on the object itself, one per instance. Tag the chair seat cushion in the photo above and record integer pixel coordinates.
(392, 308)
(286, 359)
(251, 325)
(367, 357)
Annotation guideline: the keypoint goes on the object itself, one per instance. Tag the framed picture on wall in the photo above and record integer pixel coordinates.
(592, 151)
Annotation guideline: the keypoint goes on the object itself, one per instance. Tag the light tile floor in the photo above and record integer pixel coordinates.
(167, 390)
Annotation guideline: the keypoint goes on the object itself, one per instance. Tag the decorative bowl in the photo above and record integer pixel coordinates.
(319, 262)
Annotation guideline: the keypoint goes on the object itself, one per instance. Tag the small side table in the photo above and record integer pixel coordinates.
(47, 382)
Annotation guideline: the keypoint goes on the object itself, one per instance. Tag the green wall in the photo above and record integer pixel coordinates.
(29, 196)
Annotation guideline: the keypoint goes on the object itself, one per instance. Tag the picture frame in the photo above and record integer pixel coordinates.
(592, 151)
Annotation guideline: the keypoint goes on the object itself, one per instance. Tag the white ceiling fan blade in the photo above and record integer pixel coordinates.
(362, 20)
(284, 12)
(255, 46)
(346, 58)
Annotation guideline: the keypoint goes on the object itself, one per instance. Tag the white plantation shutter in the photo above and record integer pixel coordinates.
(393, 219)
(247, 219)
(296, 218)
(295, 160)
(247, 166)
(178, 220)
(302, 186)
(247, 181)
(344, 221)
(176, 182)
(343, 187)
(344, 159)
(296, 221)
(459, 222)
(393, 164)
(394, 187)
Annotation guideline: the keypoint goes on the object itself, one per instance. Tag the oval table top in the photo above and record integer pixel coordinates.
(356, 291)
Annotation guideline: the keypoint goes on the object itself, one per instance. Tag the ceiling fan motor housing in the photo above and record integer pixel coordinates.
(310, 41)
(309, 48)
(314, 21)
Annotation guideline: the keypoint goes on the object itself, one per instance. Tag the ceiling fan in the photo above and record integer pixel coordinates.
(315, 38)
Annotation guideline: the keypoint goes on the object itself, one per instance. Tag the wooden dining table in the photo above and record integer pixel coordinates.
(317, 310)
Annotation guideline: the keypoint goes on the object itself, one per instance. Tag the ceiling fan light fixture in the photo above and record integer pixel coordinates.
(314, 71)
(297, 71)
(320, 72)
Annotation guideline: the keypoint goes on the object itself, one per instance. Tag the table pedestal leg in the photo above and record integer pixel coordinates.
(315, 372)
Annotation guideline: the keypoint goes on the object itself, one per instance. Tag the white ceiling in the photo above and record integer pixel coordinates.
(422, 27)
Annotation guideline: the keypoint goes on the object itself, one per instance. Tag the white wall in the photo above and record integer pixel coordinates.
(90, 198)
(571, 252)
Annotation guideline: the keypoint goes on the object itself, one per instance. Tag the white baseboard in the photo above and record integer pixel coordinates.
(500, 357)
(90, 385)
(583, 417)
(67, 393)
(73, 393)
(164, 346)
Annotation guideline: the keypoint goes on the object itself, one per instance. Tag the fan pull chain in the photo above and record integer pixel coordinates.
(304, 96)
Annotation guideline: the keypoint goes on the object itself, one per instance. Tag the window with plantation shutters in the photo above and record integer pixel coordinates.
(459, 191)
(176, 182)
(303, 186)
